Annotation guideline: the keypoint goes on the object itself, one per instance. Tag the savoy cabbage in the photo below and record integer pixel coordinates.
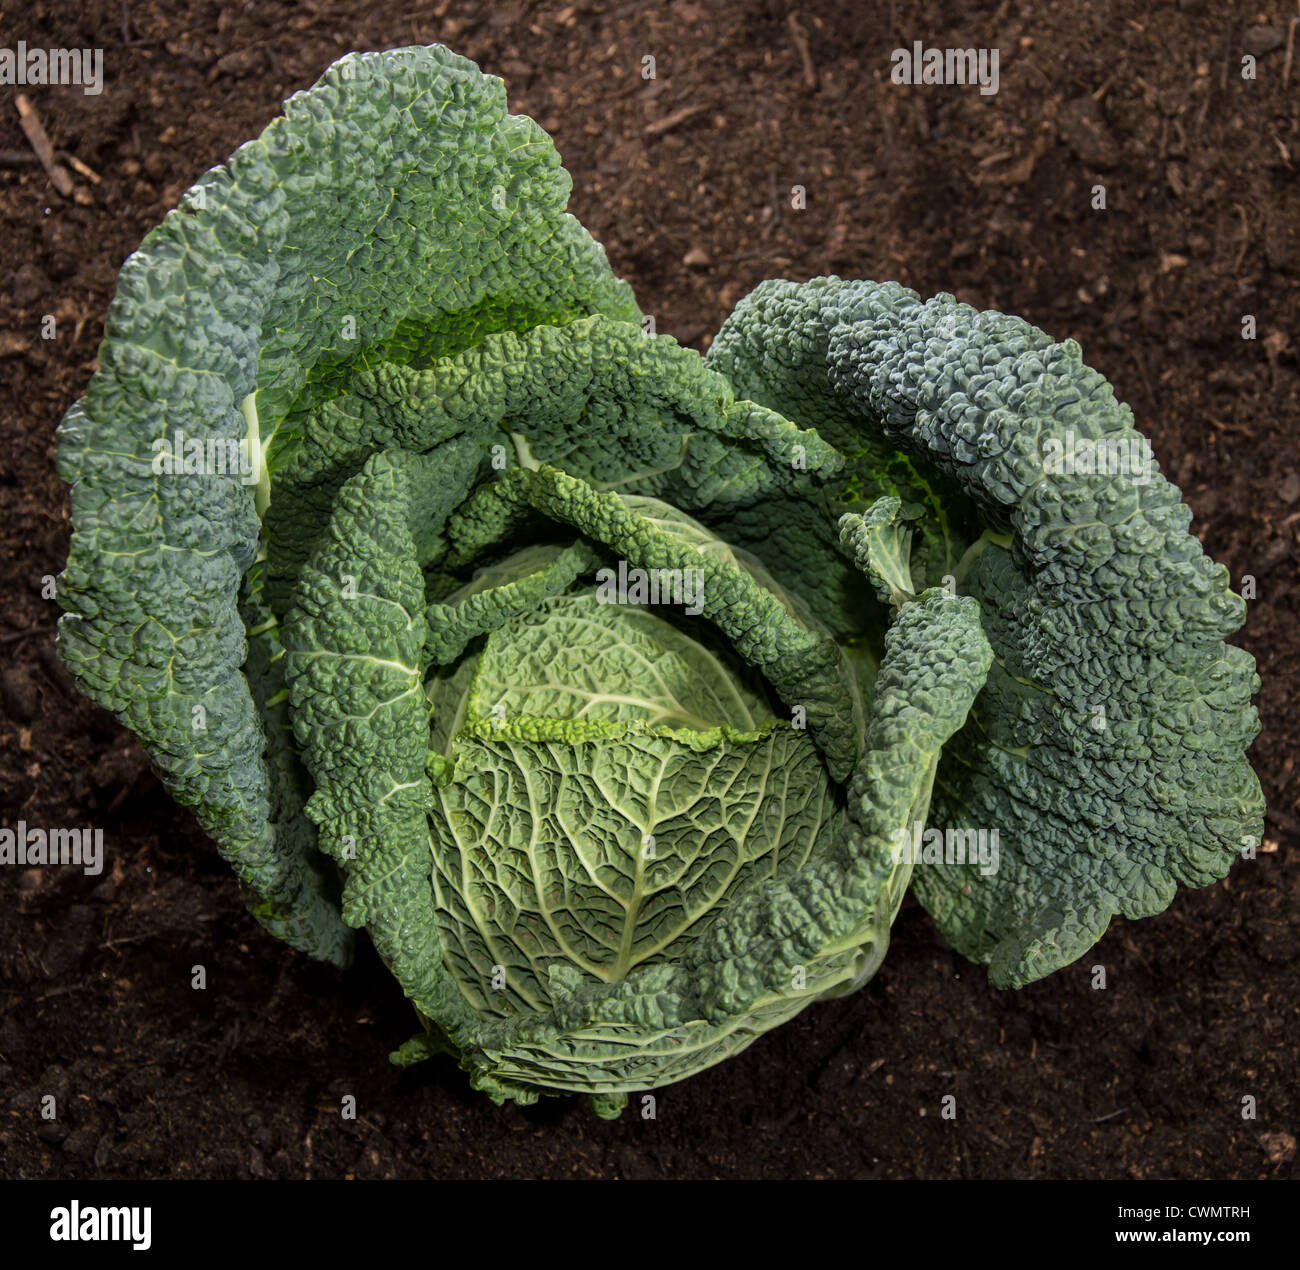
(860, 605)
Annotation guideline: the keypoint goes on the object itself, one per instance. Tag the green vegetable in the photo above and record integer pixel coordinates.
(620, 693)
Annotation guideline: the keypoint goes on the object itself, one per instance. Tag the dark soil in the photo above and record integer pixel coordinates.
(941, 188)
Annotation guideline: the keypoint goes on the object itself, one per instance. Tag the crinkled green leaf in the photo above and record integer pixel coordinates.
(396, 213)
(1108, 746)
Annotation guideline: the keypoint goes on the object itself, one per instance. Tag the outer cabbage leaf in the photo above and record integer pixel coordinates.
(1108, 745)
(396, 213)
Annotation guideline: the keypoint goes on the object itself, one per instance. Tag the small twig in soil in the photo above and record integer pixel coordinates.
(800, 38)
(40, 143)
(70, 987)
(1245, 236)
(1290, 50)
(675, 120)
(1228, 427)
(77, 166)
(131, 939)
(17, 159)
(1227, 48)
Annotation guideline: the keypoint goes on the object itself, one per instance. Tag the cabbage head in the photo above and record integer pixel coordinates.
(618, 692)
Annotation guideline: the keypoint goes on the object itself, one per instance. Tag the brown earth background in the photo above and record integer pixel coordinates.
(686, 179)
